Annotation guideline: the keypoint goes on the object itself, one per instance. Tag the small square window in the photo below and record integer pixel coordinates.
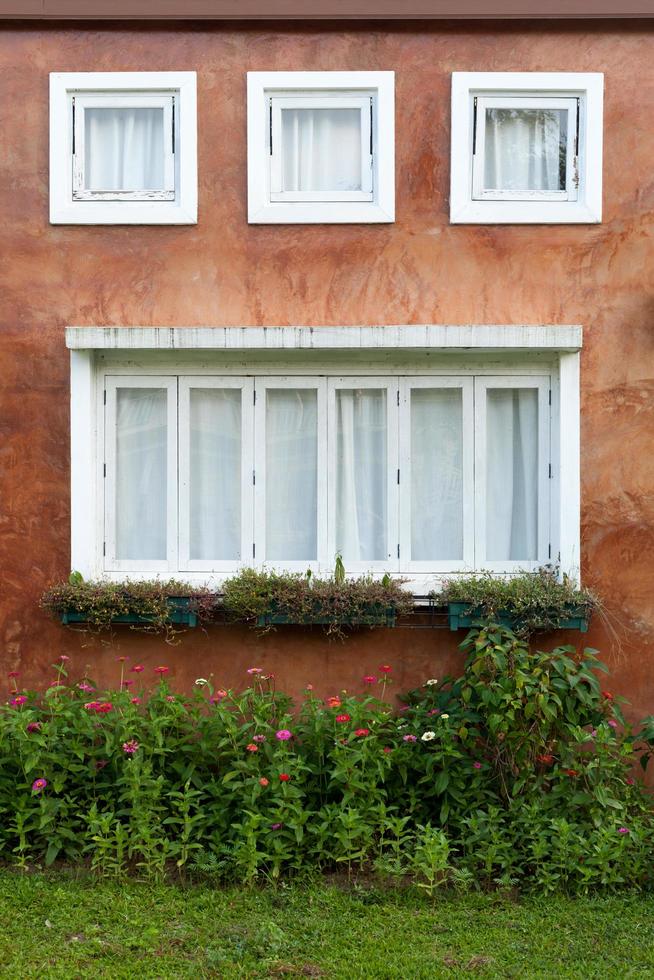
(123, 148)
(320, 147)
(526, 148)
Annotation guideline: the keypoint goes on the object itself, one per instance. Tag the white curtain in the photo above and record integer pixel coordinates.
(361, 475)
(436, 474)
(215, 476)
(321, 149)
(141, 473)
(512, 474)
(123, 149)
(525, 149)
(292, 474)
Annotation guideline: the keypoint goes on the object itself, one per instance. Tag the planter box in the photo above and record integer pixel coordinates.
(373, 616)
(462, 615)
(180, 614)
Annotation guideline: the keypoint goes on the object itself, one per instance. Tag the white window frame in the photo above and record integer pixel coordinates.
(543, 385)
(111, 562)
(467, 561)
(262, 384)
(246, 387)
(70, 94)
(391, 387)
(582, 203)
(267, 92)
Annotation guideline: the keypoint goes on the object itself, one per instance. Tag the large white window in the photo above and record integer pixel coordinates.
(526, 147)
(123, 148)
(320, 147)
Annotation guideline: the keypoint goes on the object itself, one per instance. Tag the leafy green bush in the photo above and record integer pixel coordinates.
(538, 601)
(517, 773)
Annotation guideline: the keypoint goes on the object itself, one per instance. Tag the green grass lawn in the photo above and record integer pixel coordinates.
(57, 926)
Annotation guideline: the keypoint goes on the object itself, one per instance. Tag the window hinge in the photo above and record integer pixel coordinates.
(254, 478)
(398, 396)
(254, 550)
(398, 551)
(104, 549)
(173, 124)
(371, 131)
(398, 477)
(549, 397)
(104, 470)
(73, 102)
(104, 397)
(270, 125)
(549, 551)
(474, 126)
(549, 468)
(254, 397)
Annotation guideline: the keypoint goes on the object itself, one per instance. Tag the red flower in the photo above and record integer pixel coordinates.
(370, 679)
(104, 707)
(333, 702)
(34, 726)
(387, 749)
(343, 718)
(546, 759)
(385, 668)
(362, 731)
(135, 700)
(607, 695)
(263, 781)
(161, 670)
(13, 673)
(284, 777)
(571, 772)
(252, 748)
(137, 668)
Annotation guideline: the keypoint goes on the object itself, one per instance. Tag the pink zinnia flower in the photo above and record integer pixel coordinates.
(476, 765)
(387, 749)
(218, 696)
(434, 711)
(385, 668)
(409, 738)
(283, 735)
(18, 700)
(121, 660)
(309, 687)
(252, 747)
(161, 670)
(86, 687)
(255, 670)
(612, 723)
(370, 679)
(136, 700)
(101, 763)
(258, 738)
(276, 826)
(360, 732)
(127, 682)
(130, 747)
(13, 673)
(630, 780)
(343, 718)
(92, 705)
(170, 697)
(623, 830)
(137, 668)
(34, 726)
(64, 659)
(38, 785)
(263, 781)
(104, 707)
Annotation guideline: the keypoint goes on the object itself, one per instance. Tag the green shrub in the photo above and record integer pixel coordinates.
(517, 773)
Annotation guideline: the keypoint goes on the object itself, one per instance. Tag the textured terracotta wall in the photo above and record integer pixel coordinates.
(418, 270)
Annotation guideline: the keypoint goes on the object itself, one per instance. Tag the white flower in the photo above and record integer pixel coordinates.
(427, 736)
(445, 716)
(201, 681)
(430, 683)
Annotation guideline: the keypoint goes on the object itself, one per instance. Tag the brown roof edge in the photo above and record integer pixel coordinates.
(324, 9)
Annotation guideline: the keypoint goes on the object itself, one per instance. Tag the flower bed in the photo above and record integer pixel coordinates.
(519, 771)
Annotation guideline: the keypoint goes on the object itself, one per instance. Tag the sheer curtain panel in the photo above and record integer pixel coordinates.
(141, 464)
(123, 149)
(361, 474)
(321, 150)
(525, 149)
(215, 474)
(512, 474)
(291, 474)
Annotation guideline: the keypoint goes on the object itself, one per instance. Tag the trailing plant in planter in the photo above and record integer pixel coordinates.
(152, 606)
(531, 602)
(267, 598)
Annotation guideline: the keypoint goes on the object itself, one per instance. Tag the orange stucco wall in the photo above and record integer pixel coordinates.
(418, 270)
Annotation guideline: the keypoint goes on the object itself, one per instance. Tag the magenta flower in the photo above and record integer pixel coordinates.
(409, 738)
(137, 668)
(18, 700)
(276, 826)
(283, 735)
(255, 670)
(34, 726)
(104, 707)
(170, 697)
(258, 738)
(476, 765)
(623, 830)
(64, 659)
(135, 700)
(127, 682)
(101, 763)
(370, 679)
(161, 670)
(86, 687)
(13, 673)
(92, 705)
(130, 747)
(38, 785)
(612, 723)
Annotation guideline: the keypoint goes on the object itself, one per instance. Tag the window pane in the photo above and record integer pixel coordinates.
(526, 149)
(512, 474)
(361, 474)
(123, 149)
(436, 474)
(291, 474)
(141, 465)
(215, 477)
(321, 149)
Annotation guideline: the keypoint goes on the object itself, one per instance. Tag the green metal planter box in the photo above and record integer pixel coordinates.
(181, 613)
(373, 616)
(462, 615)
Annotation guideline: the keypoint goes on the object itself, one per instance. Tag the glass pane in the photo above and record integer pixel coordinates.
(141, 471)
(215, 477)
(436, 474)
(123, 149)
(526, 149)
(321, 149)
(291, 474)
(512, 474)
(361, 474)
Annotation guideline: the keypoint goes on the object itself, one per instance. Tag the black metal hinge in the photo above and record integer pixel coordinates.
(73, 125)
(270, 124)
(104, 469)
(474, 126)
(173, 125)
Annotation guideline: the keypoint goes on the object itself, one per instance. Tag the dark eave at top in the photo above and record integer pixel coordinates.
(333, 10)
